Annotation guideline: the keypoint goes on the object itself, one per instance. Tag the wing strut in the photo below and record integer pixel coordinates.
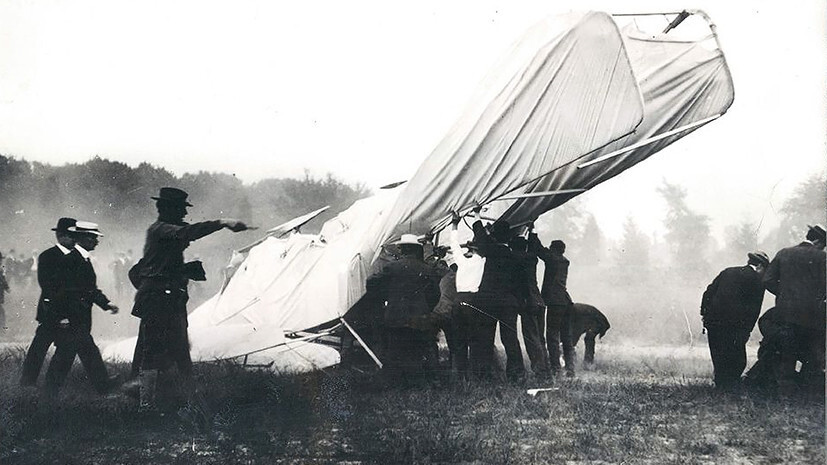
(649, 141)
(359, 338)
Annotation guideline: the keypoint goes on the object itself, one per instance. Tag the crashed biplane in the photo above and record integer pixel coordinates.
(578, 100)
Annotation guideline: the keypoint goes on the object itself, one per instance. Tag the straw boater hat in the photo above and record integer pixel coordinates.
(409, 239)
(819, 230)
(85, 227)
(760, 257)
(64, 224)
(172, 195)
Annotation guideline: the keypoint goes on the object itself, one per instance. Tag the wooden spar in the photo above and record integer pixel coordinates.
(676, 22)
(648, 141)
(540, 194)
(359, 338)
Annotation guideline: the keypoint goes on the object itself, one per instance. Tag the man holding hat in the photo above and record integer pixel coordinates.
(730, 307)
(797, 278)
(52, 275)
(74, 334)
(161, 299)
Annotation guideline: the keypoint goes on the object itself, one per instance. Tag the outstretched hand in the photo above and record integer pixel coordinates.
(235, 225)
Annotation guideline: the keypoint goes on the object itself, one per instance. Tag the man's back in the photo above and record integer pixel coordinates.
(797, 278)
(734, 298)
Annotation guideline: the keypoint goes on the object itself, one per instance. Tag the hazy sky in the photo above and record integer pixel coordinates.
(365, 90)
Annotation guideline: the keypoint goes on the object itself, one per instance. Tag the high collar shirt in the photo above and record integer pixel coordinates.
(63, 249)
(83, 252)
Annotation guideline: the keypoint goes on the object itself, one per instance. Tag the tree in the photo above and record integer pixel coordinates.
(688, 233)
(631, 259)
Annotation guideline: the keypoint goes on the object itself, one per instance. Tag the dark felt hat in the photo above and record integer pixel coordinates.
(173, 195)
(64, 224)
(819, 231)
(760, 257)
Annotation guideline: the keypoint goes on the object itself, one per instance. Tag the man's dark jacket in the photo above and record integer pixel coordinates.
(797, 278)
(554, 290)
(410, 288)
(54, 270)
(80, 292)
(733, 298)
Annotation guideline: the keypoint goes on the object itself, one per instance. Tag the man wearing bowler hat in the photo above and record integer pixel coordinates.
(161, 299)
(797, 278)
(74, 333)
(730, 307)
(52, 275)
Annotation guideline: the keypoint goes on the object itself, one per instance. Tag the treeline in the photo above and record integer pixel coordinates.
(650, 287)
(33, 195)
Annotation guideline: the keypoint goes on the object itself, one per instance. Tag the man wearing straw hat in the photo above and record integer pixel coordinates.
(409, 289)
(797, 278)
(161, 277)
(75, 315)
(730, 307)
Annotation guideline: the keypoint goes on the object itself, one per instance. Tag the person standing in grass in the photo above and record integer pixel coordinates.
(559, 311)
(52, 275)
(4, 288)
(796, 276)
(730, 307)
(161, 298)
(74, 333)
(408, 288)
(532, 308)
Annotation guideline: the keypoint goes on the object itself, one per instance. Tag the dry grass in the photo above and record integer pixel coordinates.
(638, 405)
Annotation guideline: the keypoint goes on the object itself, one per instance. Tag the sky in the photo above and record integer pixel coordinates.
(366, 89)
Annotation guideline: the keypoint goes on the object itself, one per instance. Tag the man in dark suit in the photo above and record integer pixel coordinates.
(408, 288)
(730, 307)
(52, 275)
(559, 306)
(797, 278)
(532, 309)
(498, 297)
(74, 336)
(591, 322)
(161, 300)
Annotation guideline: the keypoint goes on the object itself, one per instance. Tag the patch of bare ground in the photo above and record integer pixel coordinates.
(637, 405)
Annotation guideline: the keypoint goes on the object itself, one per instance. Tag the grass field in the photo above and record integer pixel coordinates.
(637, 405)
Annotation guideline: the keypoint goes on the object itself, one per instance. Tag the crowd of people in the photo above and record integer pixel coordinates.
(793, 332)
(467, 291)
(69, 290)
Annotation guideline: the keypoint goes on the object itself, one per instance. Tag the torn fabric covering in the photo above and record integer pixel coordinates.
(682, 81)
(564, 90)
(304, 280)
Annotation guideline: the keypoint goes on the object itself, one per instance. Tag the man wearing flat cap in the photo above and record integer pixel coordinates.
(729, 308)
(74, 334)
(796, 276)
(161, 299)
(52, 275)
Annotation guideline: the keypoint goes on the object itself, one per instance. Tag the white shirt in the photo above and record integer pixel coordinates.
(63, 249)
(469, 269)
(83, 252)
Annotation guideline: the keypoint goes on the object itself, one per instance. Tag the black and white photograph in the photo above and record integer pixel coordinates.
(457, 232)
